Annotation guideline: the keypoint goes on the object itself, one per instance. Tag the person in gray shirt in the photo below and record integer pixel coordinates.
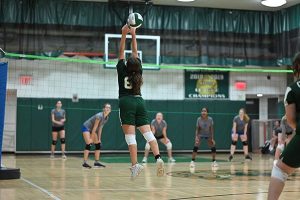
(159, 129)
(58, 119)
(92, 131)
(284, 136)
(239, 129)
(204, 131)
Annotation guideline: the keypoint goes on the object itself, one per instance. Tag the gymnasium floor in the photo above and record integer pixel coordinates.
(42, 178)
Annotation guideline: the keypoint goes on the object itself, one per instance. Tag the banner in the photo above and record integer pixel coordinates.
(206, 85)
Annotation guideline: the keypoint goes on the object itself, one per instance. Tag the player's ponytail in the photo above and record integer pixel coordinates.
(135, 77)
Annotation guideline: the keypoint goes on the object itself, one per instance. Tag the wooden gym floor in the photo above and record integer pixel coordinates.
(42, 178)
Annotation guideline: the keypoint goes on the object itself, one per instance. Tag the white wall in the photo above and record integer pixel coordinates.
(62, 80)
(257, 83)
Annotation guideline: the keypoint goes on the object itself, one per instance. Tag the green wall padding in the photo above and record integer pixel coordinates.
(34, 125)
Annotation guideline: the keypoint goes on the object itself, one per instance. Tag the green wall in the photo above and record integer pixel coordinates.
(34, 125)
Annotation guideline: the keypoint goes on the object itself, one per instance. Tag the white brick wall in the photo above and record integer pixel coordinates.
(62, 80)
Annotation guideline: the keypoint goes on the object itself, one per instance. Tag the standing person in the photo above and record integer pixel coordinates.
(92, 131)
(159, 129)
(239, 128)
(289, 160)
(133, 111)
(58, 118)
(204, 131)
(276, 131)
(283, 137)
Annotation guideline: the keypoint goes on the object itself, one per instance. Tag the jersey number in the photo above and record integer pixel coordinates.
(127, 84)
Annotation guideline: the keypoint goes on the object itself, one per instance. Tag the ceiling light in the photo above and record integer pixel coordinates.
(186, 0)
(259, 95)
(273, 3)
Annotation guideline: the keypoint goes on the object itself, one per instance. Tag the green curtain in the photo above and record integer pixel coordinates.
(188, 35)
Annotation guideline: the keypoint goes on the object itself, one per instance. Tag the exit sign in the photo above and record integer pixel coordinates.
(25, 79)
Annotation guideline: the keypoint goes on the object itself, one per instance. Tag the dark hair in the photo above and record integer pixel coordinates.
(106, 104)
(205, 109)
(296, 63)
(134, 71)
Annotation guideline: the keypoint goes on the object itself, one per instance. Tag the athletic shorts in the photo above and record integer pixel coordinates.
(133, 111)
(238, 132)
(84, 129)
(57, 129)
(289, 133)
(159, 137)
(290, 155)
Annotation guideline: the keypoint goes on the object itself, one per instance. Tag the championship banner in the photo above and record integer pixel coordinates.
(206, 85)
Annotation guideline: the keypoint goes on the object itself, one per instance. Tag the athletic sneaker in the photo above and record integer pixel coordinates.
(98, 164)
(87, 166)
(160, 170)
(52, 156)
(136, 170)
(63, 156)
(230, 158)
(144, 160)
(214, 164)
(171, 160)
(247, 157)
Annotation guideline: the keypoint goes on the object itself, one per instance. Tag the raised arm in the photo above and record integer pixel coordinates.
(125, 30)
(134, 43)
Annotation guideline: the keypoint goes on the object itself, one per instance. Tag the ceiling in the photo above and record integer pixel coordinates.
(226, 4)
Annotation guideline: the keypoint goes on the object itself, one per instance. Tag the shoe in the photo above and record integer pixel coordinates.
(171, 160)
(136, 170)
(214, 164)
(87, 166)
(160, 170)
(192, 167)
(63, 156)
(144, 160)
(98, 164)
(52, 156)
(247, 157)
(230, 158)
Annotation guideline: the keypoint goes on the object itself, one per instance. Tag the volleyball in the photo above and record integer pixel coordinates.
(135, 20)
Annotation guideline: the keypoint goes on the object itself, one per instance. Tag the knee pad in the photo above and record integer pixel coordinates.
(245, 143)
(88, 147)
(195, 149)
(169, 145)
(149, 136)
(98, 146)
(147, 146)
(62, 140)
(54, 142)
(130, 139)
(234, 142)
(279, 174)
(280, 147)
(213, 150)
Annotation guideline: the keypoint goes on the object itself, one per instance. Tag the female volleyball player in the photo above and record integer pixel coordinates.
(290, 158)
(240, 126)
(133, 111)
(204, 131)
(159, 129)
(58, 118)
(92, 131)
(283, 137)
(274, 140)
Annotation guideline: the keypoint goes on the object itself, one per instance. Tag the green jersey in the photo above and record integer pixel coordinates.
(292, 96)
(125, 87)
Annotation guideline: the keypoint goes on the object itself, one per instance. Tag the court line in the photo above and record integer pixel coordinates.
(41, 189)
(224, 195)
